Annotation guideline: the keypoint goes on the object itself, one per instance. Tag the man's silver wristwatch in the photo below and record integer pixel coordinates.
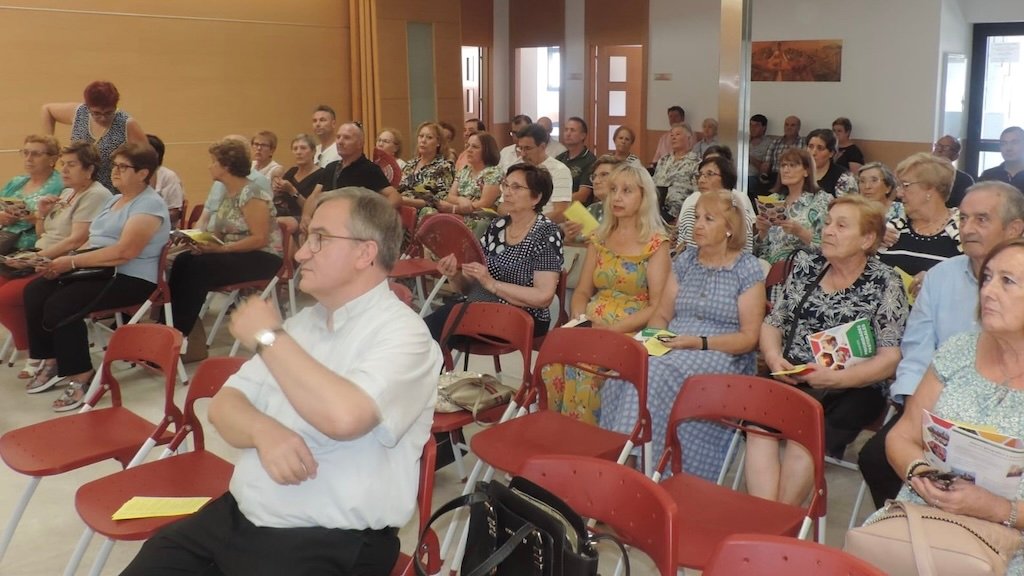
(266, 338)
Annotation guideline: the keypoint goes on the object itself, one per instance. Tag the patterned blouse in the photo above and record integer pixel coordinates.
(116, 135)
(539, 251)
(679, 176)
(434, 179)
(230, 225)
(471, 185)
(26, 229)
(877, 295)
(915, 253)
(810, 211)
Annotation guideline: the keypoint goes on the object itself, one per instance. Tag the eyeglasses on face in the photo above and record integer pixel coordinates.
(513, 186)
(906, 185)
(708, 174)
(385, 141)
(120, 167)
(315, 240)
(97, 113)
(32, 153)
(260, 145)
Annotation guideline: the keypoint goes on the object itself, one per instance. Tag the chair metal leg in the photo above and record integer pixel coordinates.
(17, 513)
(857, 504)
(739, 471)
(101, 558)
(232, 297)
(426, 303)
(76, 556)
(729, 455)
(7, 345)
(457, 453)
(12, 358)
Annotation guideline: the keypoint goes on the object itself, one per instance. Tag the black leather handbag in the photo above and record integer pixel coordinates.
(523, 530)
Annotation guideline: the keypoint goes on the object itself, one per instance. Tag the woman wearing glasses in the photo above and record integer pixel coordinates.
(21, 193)
(714, 173)
(523, 252)
(389, 141)
(876, 182)
(96, 120)
(126, 237)
(62, 225)
(248, 246)
(800, 211)
(930, 232)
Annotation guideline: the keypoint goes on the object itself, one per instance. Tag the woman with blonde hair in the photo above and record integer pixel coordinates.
(625, 269)
(427, 178)
(389, 141)
(713, 302)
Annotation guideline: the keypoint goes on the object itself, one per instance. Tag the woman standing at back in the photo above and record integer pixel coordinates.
(96, 120)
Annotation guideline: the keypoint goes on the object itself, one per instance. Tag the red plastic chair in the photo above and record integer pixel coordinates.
(268, 288)
(402, 291)
(441, 234)
(764, 555)
(508, 445)
(94, 435)
(192, 474)
(403, 566)
(161, 296)
(563, 307)
(197, 212)
(490, 328)
(709, 512)
(633, 506)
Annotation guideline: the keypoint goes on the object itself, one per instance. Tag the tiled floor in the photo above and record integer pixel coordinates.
(50, 529)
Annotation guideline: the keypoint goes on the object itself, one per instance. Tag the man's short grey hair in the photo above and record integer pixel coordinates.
(372, 218)
(1013, 200)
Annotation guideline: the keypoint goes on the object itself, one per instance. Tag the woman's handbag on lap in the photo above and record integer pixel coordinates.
(912, 539)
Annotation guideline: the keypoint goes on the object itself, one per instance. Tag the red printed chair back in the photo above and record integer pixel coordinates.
(197, 212)
(441, 234)
(710, 512)
(765, 555)
(97, 434)
(486, 328)
(193, 474)
(633, 506)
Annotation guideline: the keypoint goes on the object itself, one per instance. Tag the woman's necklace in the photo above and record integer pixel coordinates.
(513, 236)
(932, 228)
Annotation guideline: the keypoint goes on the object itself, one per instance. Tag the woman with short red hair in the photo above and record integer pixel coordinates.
(96, 120)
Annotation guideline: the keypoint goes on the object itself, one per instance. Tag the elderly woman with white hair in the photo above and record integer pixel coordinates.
(676, 172)
(624, 272)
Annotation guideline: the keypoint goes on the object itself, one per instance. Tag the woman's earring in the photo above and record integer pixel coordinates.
(728, 234)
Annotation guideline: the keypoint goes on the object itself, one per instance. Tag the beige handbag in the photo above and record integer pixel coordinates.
(913, 539)
(470, 391)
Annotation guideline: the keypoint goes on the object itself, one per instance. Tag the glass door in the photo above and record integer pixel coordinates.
(997, 83)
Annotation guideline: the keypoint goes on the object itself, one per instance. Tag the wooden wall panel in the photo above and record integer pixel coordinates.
(196, 70)
(536, 23)
(478, 22)
(608, 22)
(393, 17)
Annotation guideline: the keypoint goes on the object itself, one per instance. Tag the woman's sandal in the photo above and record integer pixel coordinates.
(72, 397)
(44, 379)
(30, 368)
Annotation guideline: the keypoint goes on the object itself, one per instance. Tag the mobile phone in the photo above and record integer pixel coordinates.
(941, 479)
(664, 337)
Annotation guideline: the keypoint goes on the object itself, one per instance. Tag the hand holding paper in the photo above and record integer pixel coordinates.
(580, 215)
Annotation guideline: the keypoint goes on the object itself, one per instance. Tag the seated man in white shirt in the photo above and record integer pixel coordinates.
(532, 147)
(509, 155)
(168, 184)
(331, 417)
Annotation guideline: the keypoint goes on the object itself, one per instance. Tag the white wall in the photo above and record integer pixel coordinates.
(954, 37)
(683, 43)
(977, 11)
(889, 73)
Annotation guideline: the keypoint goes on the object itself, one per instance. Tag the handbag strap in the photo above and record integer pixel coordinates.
(791, 333)
(465, 500)
(622, 547)
(919, 541)
(506, 549)
(463, 307)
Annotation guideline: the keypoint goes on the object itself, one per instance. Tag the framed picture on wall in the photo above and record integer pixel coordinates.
(797, 61)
